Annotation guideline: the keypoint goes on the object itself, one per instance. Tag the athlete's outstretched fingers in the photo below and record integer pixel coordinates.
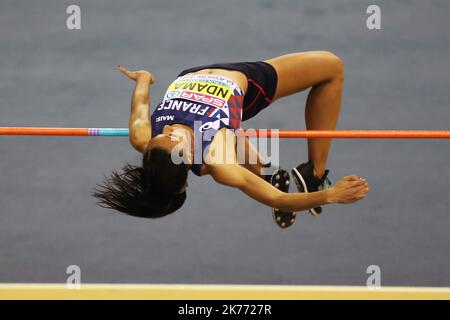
(362, 187)
(128, 73)
(362, 192)
(357, 184)
(352, 177)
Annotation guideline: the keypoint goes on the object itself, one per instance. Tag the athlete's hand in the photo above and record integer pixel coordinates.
(135, 75)
(348, 190)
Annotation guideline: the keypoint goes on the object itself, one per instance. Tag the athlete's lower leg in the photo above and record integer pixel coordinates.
(322, 113)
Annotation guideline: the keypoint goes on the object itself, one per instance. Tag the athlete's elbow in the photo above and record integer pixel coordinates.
(138, 143)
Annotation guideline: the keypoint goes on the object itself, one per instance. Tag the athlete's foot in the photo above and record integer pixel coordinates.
(306, 181)
(280, 180)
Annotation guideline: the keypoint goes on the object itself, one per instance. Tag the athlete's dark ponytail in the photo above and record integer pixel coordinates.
(150, 191)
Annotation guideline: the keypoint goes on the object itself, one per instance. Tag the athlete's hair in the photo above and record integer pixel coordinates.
(150, 191)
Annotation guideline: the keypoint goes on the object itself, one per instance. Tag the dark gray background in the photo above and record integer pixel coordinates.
(396, 78)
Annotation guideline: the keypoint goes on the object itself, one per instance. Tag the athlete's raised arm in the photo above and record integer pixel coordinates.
(139, 122)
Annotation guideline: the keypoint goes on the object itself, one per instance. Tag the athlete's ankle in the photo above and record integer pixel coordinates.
(318, 173)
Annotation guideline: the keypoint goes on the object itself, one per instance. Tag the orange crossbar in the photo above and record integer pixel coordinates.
(36, 131)
(354, 134)
(269, 133)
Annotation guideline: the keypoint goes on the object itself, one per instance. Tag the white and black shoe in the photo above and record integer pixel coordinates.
(306, 182)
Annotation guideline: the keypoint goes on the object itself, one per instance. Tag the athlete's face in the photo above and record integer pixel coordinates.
(175, 140)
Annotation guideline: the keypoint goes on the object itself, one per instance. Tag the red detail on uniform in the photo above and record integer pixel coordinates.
(210, 111)
(235, 112)
(235, 123)
(253, 102)
(261, 90)
(235, 106)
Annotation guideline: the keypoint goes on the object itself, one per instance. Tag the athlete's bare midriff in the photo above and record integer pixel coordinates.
(237, 76)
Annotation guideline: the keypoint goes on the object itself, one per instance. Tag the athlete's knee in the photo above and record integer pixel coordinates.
(338, 65)
(335, 63)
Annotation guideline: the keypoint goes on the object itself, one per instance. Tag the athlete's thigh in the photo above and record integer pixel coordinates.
(301, 70)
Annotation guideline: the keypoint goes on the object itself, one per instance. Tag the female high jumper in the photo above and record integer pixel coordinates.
(214, 99)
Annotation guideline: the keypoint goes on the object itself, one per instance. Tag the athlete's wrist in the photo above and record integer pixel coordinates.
(145, 76)
(330, 197)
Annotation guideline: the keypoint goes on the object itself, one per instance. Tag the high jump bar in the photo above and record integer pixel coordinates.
(265, 133)
(215, 292)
